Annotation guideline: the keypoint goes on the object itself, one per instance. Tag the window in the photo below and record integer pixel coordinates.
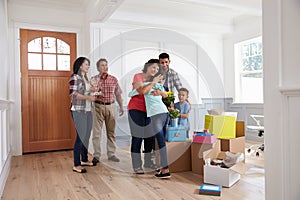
(48, 53)
(249, 71)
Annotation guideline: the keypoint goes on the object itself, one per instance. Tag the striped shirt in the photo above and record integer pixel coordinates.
(109, 88)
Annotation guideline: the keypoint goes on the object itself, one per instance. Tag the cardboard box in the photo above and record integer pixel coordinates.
(179, 156)
(221, 176)
(176, 134)
(235, 145)
(204, 138)
(220, 125)
(197, 150)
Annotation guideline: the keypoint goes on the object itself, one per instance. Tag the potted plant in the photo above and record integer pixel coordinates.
(174, 115)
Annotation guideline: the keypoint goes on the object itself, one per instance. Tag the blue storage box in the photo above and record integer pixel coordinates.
(176, 134)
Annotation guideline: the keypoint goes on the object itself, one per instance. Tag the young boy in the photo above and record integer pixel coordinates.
(184, 106)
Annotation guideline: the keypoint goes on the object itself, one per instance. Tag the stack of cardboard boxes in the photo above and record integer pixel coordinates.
(190, 156)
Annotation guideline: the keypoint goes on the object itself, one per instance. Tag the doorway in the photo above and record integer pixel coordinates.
(46, 67)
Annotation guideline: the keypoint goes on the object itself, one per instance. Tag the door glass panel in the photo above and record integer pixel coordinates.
(63, 62)
(35, 45)
(34, 61)
(49, 62)
(62, 47)
(49, 45)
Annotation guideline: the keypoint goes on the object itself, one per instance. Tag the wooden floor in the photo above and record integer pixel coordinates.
(49, 176)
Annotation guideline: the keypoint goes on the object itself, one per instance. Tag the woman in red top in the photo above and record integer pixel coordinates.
(138, 121)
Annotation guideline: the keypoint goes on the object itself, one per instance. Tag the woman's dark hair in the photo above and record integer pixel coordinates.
(149, 63)
(77, 64)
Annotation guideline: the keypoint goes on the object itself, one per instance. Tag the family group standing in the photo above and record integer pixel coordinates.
(147, 115)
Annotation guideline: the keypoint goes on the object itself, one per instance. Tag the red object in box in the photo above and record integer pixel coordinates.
(204, 138)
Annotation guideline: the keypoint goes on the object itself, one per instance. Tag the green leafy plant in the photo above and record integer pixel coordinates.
(174, 112)
(169, 99)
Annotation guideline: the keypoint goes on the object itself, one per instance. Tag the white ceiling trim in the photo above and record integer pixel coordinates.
(101, 10)
(252, 7)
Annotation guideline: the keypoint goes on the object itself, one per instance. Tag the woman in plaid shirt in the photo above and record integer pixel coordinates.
(81, 112)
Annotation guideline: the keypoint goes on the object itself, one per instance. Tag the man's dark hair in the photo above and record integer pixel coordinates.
(163, 56)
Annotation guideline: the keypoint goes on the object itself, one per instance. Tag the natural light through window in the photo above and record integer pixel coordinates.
(249, 71)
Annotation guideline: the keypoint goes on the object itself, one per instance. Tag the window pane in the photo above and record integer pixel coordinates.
(49, 62)
(245, 51)
(62, 47)
(35, 45)
(34, 61)
(49, 45)
(249, 71)
(63, 62)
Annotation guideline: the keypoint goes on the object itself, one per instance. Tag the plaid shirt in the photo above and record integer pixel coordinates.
(109, 87)
(173, 80)
(77, 85)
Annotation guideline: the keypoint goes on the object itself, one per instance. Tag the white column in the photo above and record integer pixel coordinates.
(281, 97)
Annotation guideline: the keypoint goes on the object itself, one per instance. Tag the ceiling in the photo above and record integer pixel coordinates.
(193, 15)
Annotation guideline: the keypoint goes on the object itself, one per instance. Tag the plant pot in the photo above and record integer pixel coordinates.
(174, 122)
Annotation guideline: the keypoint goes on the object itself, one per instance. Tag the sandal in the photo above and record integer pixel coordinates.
(83, 170)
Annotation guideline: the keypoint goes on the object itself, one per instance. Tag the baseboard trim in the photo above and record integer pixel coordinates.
(4, 174)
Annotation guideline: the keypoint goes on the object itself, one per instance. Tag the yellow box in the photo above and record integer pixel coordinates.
(221, 126)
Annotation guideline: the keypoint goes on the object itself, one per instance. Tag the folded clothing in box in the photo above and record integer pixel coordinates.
(203, 138)
(176, 133)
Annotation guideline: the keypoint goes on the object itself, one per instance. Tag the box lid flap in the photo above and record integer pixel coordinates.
(240, 168)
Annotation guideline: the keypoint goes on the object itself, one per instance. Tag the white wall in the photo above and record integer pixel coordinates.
(244, 29)
(5, 112)
(198, 58)
(282, 98)
(4, 81)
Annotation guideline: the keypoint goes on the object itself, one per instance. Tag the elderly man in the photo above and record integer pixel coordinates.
(105, 110)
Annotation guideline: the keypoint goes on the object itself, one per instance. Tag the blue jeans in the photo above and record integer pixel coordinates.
(158, 122)
(165, 125)
(139, 128)
(83, 124)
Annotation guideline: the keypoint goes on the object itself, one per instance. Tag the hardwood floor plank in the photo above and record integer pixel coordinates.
(50, 176)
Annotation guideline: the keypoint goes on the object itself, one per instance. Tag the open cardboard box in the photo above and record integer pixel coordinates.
(197, 150)
(221, 176)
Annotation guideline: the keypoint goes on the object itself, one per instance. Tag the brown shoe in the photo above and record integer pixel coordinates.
(95, 161)
(114, 159)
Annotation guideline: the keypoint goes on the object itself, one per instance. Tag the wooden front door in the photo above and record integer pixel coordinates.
(46, 66)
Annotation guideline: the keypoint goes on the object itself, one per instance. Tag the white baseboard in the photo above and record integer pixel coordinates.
(4, 174)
